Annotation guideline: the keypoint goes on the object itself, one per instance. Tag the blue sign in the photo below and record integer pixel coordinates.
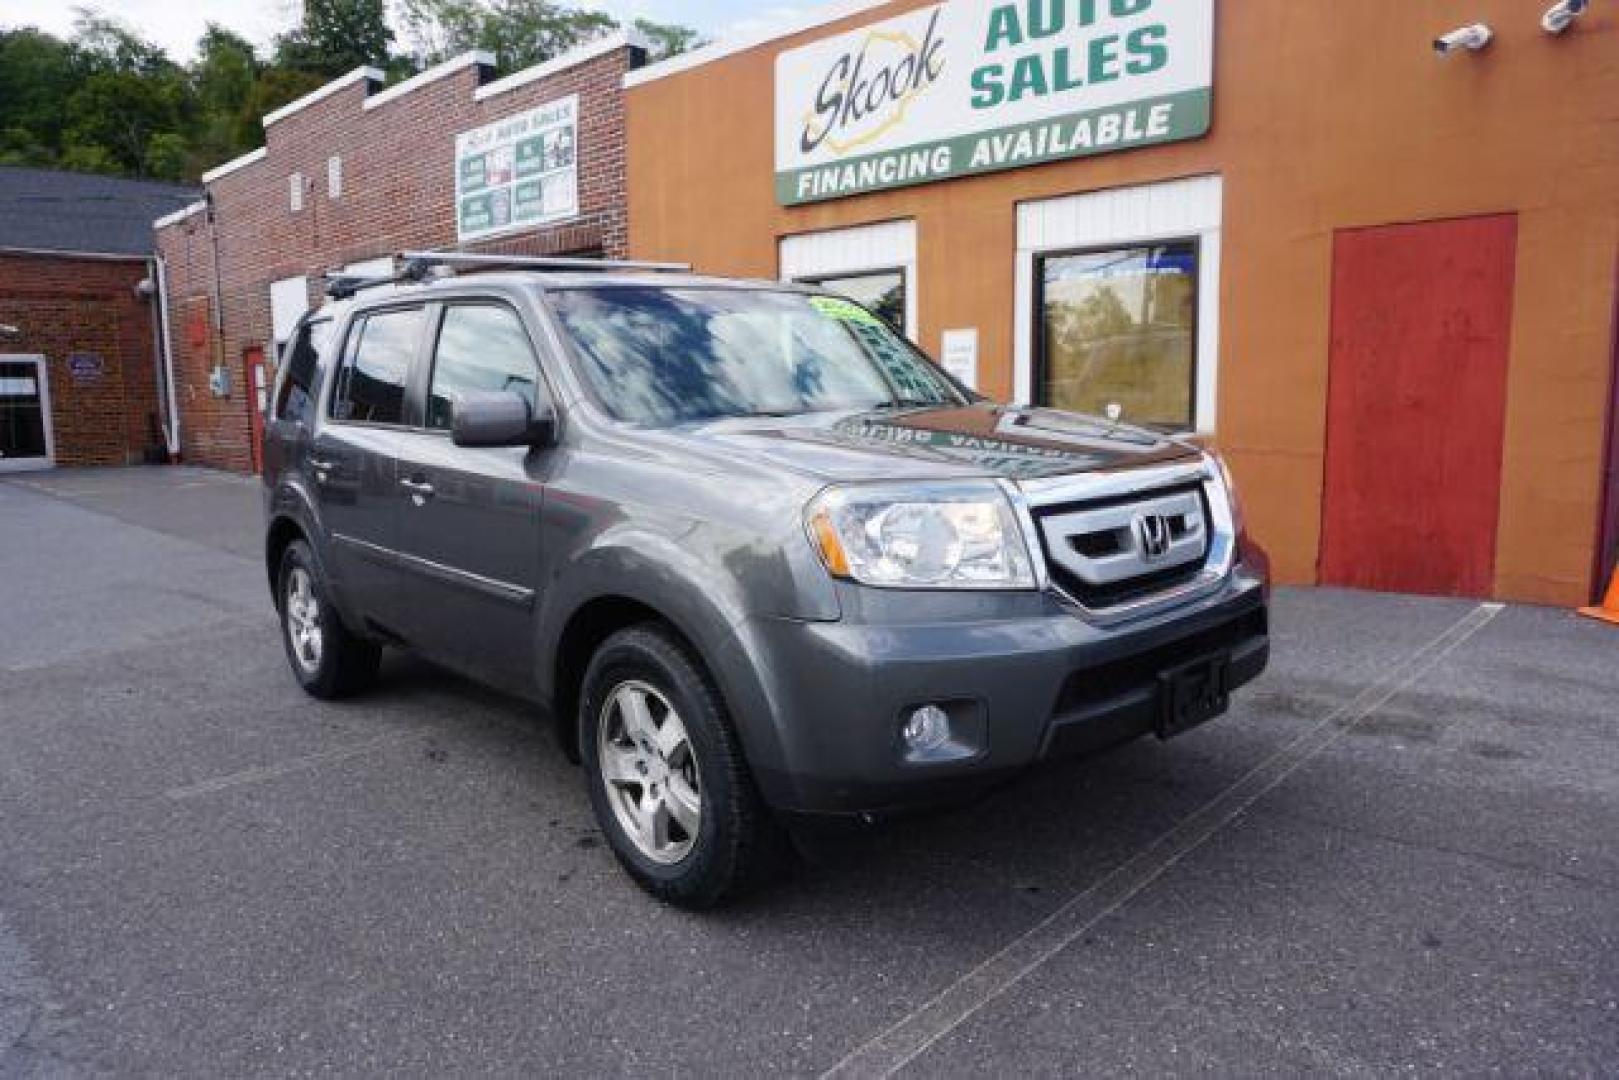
(86, 367)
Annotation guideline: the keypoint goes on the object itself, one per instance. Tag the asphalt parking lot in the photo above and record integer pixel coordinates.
(1398, 853)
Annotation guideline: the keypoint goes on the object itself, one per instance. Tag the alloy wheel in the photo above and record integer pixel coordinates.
(303, 619)
(650, 772)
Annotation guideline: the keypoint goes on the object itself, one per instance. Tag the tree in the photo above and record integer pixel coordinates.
(337, 36)
(223, 78)
(120, 111)
(668, 39)
(520, 33)
(38, 72)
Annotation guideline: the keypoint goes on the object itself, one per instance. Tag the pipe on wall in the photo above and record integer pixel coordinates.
(171, 427)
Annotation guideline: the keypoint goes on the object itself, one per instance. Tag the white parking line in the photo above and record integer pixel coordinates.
(283, 768)
(900, 1044)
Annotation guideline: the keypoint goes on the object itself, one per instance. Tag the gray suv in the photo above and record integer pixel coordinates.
(763, 562)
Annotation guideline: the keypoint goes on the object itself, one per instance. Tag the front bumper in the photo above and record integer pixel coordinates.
(1032, 679)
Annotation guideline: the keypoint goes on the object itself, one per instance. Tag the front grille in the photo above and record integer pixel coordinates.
(1107, 552)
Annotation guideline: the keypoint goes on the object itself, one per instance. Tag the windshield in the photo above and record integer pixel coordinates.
(662, 356)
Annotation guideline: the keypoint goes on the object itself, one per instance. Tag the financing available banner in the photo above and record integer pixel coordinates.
(973, 86)
(519, 172)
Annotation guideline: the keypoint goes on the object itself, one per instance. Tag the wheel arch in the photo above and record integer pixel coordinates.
(623, 593)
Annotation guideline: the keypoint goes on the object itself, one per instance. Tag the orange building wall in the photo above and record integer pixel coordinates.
(1327, 116)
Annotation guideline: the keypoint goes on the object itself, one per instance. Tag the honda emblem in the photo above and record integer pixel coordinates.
(1152, 533)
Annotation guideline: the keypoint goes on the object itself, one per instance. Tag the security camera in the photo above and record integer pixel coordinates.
(1561, 16)
(1469, 38)
(7, 330)
(144, 288)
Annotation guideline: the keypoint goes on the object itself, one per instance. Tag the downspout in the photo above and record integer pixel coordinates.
(171, 429)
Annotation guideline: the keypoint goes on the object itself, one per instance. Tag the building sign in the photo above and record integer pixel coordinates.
(86, 367)
(975, 86)
(519, 172)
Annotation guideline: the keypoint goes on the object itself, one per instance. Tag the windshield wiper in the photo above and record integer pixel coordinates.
(906, 403)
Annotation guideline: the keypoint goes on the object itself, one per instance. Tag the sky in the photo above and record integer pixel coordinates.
(176, 24)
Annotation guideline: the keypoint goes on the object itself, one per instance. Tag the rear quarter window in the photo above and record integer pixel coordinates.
(301, 387)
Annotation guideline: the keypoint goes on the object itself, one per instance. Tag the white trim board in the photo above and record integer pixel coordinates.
(359, 74)
(861, 249)
(232, 165)
(180, 215)
(43, 380)
(1172, 210)
(620, 40)
(472, 58)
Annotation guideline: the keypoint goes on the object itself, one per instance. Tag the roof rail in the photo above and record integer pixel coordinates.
(426, 259)
(418, 266)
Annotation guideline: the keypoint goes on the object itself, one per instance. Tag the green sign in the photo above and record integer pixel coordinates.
(518, 173)
(974, 86)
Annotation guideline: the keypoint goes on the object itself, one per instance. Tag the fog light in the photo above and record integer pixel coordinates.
(928, 728)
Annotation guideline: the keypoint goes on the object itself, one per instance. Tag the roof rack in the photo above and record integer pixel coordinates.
(452, 259)
(417, 266)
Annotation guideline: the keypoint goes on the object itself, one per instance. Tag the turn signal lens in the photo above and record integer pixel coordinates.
(826, 539)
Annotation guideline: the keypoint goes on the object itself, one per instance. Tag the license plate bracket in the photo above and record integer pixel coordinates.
(1193, 693)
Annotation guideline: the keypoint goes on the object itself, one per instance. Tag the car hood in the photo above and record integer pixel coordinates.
(981, 440)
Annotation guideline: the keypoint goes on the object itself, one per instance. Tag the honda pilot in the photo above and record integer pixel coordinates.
(759, 559)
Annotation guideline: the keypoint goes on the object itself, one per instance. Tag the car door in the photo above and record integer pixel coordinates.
(470, 517)
(353, 460)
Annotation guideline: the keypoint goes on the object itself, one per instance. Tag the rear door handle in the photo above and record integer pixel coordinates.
(419, 489)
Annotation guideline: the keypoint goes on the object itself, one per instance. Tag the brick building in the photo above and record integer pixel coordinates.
(530, 163)
(79, 380)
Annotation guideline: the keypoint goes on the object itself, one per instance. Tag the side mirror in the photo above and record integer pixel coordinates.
(501, 419)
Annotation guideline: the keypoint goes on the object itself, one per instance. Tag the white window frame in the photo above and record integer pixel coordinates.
(862, 249)
(295, 192)
(42, 379)
(1121, 217)
(334, 177)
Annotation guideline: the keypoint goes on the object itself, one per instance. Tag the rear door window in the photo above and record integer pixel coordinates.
(376, 367)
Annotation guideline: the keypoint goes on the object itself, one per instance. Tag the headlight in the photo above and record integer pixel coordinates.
(921, 536)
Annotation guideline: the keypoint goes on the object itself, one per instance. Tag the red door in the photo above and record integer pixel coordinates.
(1421, 324)
(258, 399)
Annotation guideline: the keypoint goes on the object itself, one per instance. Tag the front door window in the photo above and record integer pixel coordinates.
(1118, 328)
(23, 439)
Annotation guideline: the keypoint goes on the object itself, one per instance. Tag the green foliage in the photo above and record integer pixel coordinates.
(520, 33)
(668, 39)
(107, 100)
(337, 36)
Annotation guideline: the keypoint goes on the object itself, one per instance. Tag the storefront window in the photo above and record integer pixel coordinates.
(1119, 327)
(882, 291)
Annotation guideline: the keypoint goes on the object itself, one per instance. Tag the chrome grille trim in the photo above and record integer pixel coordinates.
(1029, 497)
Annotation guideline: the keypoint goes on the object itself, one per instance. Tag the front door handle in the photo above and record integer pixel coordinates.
(420, 490)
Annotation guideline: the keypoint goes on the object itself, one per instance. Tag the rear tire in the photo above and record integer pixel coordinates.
(667, 779)
(328, 661)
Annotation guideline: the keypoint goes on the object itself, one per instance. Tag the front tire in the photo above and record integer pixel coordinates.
(327, 659)
(667, 778)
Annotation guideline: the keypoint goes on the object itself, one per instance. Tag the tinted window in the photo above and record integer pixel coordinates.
(301, 386)
(1119, 328)
(480, 349)
(669, 356)
(371, 388)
